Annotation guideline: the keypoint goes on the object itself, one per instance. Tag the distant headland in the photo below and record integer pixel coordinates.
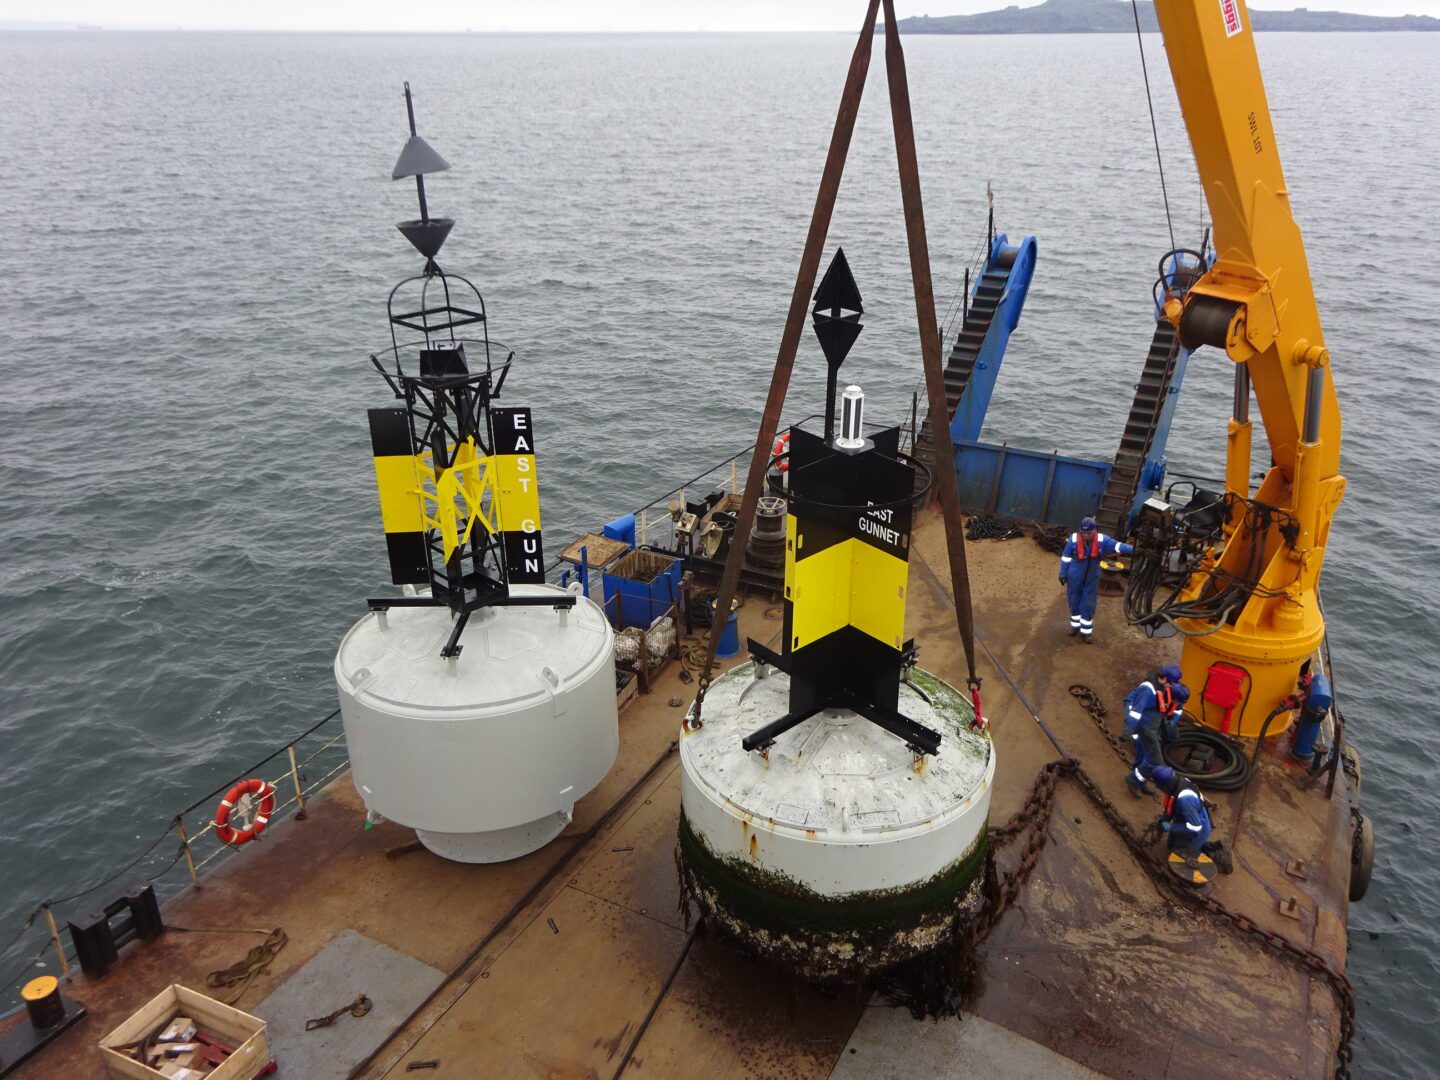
(1115, 17)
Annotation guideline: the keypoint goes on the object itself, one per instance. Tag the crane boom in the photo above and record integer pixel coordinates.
(1258, 304)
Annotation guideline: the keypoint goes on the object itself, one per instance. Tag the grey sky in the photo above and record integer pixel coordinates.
(478, 15)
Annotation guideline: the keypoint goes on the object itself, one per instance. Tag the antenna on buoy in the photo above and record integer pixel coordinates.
(418, 158)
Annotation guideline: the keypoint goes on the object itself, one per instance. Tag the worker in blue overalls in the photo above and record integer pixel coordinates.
(1152, 707)
(1080, 573)
(1183, 816)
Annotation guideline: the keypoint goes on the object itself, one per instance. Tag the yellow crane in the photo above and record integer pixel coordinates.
(1257, 303)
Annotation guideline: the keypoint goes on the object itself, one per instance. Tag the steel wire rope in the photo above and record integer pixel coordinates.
(1154, 128)
(118, 873)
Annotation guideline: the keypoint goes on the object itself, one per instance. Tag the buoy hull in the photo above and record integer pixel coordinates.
(482, 755)
(838, 852)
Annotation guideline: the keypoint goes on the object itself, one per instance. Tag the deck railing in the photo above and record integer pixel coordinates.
(38, 947)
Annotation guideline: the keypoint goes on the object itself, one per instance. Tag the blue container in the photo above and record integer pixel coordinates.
(1027, 484)
(730, 638)
(622, 528)
(640, 587)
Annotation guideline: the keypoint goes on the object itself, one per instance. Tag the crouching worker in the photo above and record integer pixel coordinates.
(1183, 817)
(1150, 709)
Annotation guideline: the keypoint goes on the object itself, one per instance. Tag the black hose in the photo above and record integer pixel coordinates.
(1260, 741)
(1195, 751)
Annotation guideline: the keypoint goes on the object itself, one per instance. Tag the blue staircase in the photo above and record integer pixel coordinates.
(993, 314)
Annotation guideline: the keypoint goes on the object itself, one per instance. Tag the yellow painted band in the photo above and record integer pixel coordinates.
(401, 508)
(851, 583)
(517, 493)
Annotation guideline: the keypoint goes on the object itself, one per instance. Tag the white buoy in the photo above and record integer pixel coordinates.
(485, 755)
(838, 850)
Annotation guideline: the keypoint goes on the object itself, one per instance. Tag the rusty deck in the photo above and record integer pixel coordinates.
(577, 962)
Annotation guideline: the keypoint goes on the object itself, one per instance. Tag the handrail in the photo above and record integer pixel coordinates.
(64, 960)
(959, 307)
(259, 764)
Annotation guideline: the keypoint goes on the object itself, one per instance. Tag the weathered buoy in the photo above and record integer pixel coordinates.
(835, 799)
(838, 851)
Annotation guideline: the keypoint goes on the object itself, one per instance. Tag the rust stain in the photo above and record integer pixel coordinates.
(754, 848)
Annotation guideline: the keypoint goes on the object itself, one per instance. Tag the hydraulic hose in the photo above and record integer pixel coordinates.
(1233, 770)
(1260, 741)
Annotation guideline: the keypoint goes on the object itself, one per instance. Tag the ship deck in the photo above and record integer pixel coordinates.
(577, 961)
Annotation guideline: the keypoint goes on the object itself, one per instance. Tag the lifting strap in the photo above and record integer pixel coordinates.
(795, 322)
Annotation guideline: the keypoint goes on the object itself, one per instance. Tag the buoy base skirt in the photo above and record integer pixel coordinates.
(499, 845)
(837, 851)
(823, 938)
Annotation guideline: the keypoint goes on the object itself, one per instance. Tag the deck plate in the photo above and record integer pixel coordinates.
(350, 965)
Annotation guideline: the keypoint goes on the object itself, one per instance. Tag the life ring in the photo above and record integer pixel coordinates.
(260, 791)
(782, 447)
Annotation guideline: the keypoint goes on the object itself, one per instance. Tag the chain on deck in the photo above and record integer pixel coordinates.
(1035, 816)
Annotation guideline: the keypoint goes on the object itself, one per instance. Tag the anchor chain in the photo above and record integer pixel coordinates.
(1090, 701)
(1051, 538)
(1035, 814)
(1308, 959)
(989, 527)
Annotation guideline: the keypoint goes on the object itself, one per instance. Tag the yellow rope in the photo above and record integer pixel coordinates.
(242, 973)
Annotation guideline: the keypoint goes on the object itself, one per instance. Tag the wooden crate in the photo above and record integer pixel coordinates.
(241, 1030)
(627, 693)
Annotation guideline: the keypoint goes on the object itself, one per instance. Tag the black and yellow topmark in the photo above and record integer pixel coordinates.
(846, 570)
(415, 501)
(402, 510)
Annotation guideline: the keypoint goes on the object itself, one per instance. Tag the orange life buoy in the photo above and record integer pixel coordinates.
(782, 447)
(259, 790)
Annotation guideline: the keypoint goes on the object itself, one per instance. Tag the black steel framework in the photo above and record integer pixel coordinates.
(446, 402)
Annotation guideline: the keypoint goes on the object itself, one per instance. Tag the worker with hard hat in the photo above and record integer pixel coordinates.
(1080, 573)
(1150, 708)
(1183, 816)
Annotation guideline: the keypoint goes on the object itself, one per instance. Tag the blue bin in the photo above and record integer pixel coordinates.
(730, 637)
(640, 587)
(622, 528)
